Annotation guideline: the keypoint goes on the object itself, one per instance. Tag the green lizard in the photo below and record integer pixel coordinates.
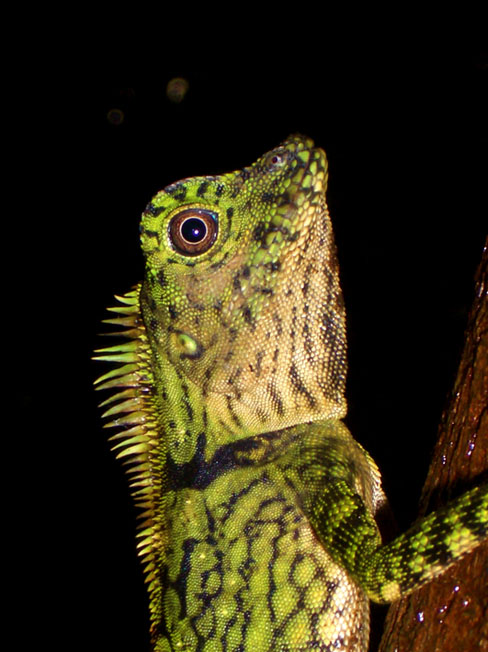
(258, 505)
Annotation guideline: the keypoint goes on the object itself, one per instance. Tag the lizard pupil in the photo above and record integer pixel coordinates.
(193, 231)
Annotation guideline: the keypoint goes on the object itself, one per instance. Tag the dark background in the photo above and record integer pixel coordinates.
(406, 140)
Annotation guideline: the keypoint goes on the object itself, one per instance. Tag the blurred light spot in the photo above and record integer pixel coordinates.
(420, 616)
(176, 89)
(115, 116)
(471, 446)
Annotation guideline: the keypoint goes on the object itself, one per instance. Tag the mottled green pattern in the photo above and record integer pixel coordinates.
(258, 530)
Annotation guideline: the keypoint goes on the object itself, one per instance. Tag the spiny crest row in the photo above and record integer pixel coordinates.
(136, 442)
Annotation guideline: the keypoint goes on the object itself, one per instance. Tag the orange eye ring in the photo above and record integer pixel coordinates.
(193, 231)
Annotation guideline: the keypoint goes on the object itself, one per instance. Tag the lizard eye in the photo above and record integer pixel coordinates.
(193, 231)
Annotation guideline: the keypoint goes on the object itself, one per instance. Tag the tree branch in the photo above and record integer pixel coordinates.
(451, 613)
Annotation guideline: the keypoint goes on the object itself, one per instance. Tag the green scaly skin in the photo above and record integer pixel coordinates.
(258, 505)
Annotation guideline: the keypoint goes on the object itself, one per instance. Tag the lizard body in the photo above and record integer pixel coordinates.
(258, 505)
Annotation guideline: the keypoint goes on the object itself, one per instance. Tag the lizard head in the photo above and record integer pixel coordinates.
(241, 297)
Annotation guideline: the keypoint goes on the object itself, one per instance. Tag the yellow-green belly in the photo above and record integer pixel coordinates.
(245, 571)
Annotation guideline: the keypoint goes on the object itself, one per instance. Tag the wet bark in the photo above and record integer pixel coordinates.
(451, 613)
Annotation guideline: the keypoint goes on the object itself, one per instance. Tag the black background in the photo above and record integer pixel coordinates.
(406, 140)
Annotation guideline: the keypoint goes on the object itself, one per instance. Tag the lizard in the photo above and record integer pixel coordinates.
(228, 398)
